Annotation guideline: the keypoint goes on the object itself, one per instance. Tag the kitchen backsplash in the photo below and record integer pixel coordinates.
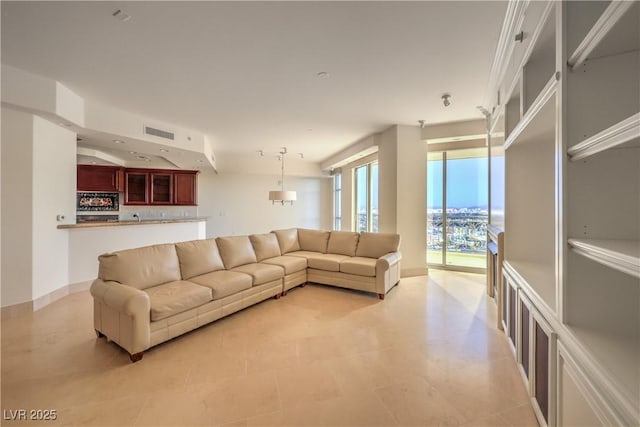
(91, 202)
(107, 204)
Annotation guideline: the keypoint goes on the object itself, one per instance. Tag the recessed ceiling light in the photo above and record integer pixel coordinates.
(118, 141)
(323, 74)
(132, 152)
(142, 157)
(162, 150)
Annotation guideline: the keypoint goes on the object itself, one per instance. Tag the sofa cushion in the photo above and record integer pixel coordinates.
(343, 243)
(287, 240)
(327, 262)
(175, 297)
(261, 273)
(236, 251)
(291, 264)
(141, 267)
(313, 240)
(224, 283)
(303, 254)
(198, 257)
(375, 245)
(265, 245)
(359, 266)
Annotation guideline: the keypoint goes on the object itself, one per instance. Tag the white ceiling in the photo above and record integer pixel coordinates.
(245, 73)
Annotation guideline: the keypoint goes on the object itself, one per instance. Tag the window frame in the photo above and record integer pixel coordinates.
(369, 197)
(337, 201)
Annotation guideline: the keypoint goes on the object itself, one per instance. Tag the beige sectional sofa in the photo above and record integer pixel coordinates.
(145, 296)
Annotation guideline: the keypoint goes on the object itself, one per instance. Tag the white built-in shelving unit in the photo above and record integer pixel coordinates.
(569, 103)
(602, 287)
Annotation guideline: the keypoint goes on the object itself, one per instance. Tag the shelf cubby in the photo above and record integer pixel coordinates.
(541, 65)
(603, 313)
(616, 30)
(603, 195)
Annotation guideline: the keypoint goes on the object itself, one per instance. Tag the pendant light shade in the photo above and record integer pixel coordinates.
(282, 196)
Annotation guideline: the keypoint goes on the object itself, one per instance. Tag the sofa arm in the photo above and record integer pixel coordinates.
(384, 262)
(122, 313)
(387, 272)
(123, 299)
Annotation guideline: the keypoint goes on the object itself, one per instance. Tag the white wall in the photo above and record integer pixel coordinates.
(411, 207)
(237, 204)
(388, 180)
(17, 209)
(402, 162)
(53, 169)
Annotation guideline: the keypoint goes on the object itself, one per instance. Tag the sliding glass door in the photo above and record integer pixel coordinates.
(457, 209)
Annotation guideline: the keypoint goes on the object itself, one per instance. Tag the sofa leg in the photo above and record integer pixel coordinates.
(277, 296)
(136, 357)
(99, 334)
(381, 296)
(303, 285)
(284, 293)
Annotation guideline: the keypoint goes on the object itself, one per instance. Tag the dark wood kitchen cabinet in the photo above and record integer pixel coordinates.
(136, 189)
(185, 188)
(100, 178)
(160, 187)
(161, 190)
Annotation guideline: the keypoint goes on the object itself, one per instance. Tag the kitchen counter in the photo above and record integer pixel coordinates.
(93, 224)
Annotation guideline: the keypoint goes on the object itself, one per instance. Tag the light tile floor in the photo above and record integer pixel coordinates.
(428, 355)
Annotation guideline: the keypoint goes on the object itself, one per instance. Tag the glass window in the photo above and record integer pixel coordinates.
(374, 198)
(362, 197)
(366, 198)
(457, 208)
(337, 201)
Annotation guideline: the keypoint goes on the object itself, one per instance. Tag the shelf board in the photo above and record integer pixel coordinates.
(541, 101)
(619, 22)
(541, 279)
(616, 354)
(618, 134)
(621, 255)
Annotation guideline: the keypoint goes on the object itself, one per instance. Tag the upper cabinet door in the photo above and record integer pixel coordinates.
(99, 178)
(185, 188)
(136, 188)
(161, 188)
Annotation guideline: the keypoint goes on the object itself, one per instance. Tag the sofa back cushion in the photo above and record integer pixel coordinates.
(375, 245)
(236, 251)
(265, 246)
(141, 267)
(313, 240)
(198, 257)
(287, 240)
(343, 243)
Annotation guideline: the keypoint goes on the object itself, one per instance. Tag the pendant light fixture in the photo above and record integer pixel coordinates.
(281, 195)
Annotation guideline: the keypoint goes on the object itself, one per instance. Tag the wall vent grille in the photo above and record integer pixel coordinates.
(159, 133)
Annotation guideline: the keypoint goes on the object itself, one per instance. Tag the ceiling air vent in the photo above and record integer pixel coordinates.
(159, 133)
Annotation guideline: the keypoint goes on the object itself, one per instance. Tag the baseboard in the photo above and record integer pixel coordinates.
(43, 301)
(17, 310)
(412, 272)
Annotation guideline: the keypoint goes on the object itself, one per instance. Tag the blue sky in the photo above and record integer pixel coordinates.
(466, 183)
